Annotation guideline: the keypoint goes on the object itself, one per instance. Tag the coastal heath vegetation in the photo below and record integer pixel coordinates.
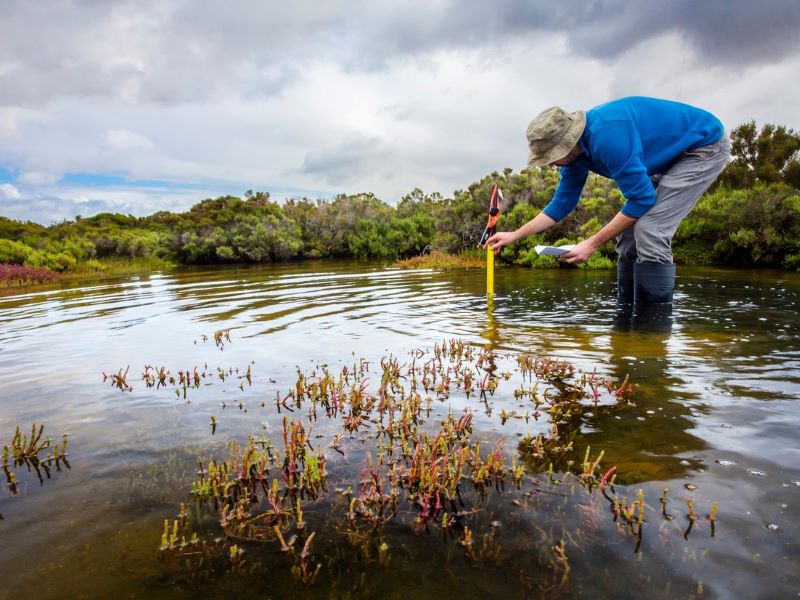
(750, 217)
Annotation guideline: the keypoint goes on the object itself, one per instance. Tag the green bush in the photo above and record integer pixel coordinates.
(529, 258)
(55, 261)
(748, 227)
(94, 265)
(369, 240)
(15, 253)
(225, 253)
(598, 261)
(80, 248)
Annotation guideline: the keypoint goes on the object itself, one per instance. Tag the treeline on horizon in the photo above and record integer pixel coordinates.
(750, 217)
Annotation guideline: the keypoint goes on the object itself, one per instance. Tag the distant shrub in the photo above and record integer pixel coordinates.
(54, 261)
(443, 261)
(225, 253)
(529, 258)
(748, 227)
(14, 252)
(11, 275)
(80, 248)
(598, 261)
(94, 265)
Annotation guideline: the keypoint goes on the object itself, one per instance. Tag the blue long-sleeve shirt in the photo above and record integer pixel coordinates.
(628, 140)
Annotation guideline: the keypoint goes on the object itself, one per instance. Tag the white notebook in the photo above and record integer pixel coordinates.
(553, 250)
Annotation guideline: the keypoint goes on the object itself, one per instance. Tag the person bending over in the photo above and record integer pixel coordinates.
(663, 155)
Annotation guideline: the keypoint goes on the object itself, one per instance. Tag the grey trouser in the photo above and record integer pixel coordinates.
(677, 191)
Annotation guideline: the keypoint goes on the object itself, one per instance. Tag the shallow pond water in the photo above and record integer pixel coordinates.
(715, 420)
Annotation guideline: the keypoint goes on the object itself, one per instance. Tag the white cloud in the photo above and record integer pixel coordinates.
(38, 178)
(121, 139)
(50, 205)
(9, 192)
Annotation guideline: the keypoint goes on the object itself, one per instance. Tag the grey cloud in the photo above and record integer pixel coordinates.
(148, 51)
(22, 86)
(182, 52)
(721, 31)
(729, 32)
(347, 161)
(270, 81)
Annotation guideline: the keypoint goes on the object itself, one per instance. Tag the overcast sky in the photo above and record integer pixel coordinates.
(138, 106)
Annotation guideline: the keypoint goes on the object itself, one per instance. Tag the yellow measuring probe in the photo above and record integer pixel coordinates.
(491, 229)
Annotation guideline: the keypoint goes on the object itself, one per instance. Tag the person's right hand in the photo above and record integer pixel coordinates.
(500, 239)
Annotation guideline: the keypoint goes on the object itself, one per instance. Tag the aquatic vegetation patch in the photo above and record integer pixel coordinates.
(442, 261)
(375, 452)
(182, 380)
(20, 275)
(218, 336)
(36, 453)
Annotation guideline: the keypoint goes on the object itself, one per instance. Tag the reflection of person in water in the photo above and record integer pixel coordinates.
(661, 154)
(648, 441)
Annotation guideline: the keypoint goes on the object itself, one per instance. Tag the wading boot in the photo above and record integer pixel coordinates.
(624, 281)
(624, 309)
(653, 285)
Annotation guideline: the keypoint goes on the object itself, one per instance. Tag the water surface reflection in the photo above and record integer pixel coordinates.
(719, 383)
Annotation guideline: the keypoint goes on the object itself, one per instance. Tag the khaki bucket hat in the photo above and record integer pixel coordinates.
(552, 134)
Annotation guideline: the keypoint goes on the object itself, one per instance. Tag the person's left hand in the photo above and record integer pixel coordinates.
(580, 253)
